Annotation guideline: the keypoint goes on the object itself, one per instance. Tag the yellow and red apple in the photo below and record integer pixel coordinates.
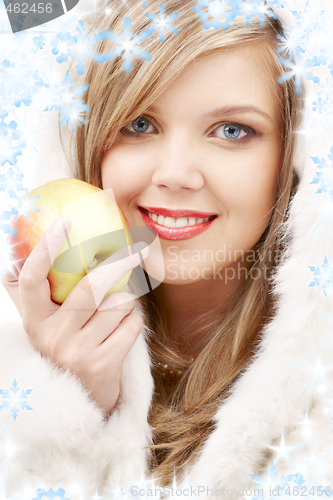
(98, 229)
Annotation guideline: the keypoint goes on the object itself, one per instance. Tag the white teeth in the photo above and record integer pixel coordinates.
(179, 222)
(161, 219)
(169, 222)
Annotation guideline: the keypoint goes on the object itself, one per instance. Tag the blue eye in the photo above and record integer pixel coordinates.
(232, 131)
(140, 125)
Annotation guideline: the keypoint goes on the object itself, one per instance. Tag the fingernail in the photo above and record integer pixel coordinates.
(142, 247)
(61, 225)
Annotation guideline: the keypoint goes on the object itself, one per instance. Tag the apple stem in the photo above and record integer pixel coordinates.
(92, 265)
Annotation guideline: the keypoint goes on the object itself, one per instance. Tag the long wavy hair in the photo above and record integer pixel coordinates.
(184, 403)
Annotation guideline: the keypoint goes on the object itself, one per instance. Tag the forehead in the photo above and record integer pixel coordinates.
(237, 76)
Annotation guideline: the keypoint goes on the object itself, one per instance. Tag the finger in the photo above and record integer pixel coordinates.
(120, 342)
(11, 285)
(88, 294)
(10, 276)
(104, 322)
(34, 286)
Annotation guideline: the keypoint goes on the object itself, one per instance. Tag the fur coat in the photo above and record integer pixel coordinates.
(274, 431)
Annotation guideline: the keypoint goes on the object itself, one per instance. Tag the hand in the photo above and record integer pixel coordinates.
(86, 334)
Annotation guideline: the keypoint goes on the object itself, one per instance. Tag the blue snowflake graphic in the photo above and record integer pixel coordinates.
(254, 8)
(280, 485)
(26, 205)
(298, 68)
(127, 45)
(323, 276)
(230, 9)
(307, 33)
(14, 399)
(216, 10)
(39, 42)
(61, 42)
(11, 183)
(51, 494)
(320, 105)
(19, 75)
(11, 143)
(67, 98)
(290, 41)
(79, 47)
(324, 177)
(265, 482)
(309, 18)
(162, 23)
(326, 89)
(5, 221)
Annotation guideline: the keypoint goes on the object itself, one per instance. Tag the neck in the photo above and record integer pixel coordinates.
(184, 304)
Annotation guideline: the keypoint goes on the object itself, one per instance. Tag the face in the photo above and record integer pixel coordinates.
(210, 143)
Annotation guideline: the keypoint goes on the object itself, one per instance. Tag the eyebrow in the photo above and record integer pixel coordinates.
(227, 110)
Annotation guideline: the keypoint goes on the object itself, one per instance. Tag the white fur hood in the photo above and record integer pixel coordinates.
(278, 420)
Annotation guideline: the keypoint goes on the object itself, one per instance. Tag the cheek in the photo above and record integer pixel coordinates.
(248, 192)
(122, 173)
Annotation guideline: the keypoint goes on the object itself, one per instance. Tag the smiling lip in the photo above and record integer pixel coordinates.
(178, 213)
(174, 233)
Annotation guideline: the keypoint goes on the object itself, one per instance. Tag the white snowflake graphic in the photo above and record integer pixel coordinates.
(14, 399)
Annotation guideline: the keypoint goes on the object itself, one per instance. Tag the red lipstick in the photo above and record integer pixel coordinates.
(176, 233)
(178, 213)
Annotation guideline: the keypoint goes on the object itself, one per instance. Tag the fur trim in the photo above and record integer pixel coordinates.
(65, 439)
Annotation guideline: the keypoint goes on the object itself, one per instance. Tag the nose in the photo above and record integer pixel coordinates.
(178, 165)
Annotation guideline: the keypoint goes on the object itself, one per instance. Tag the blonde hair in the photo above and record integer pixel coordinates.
(183, 420)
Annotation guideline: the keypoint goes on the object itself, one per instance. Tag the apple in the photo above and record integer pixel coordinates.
(99, 228)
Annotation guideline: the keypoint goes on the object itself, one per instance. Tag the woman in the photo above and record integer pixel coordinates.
(220, 382)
